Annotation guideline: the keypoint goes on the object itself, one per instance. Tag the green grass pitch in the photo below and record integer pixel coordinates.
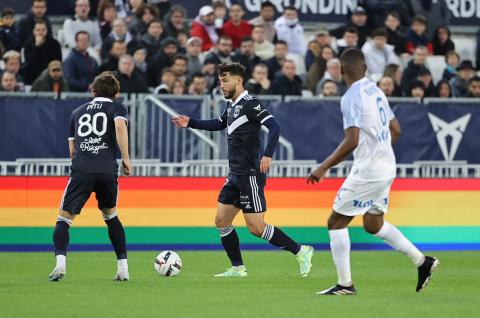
(385, 282)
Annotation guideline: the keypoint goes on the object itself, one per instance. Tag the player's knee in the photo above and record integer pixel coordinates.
(221, 222)
(371, 228)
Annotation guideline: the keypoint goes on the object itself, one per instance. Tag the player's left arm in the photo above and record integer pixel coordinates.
(71, 138)
(121, 131)
(258, 113)
(395, 130)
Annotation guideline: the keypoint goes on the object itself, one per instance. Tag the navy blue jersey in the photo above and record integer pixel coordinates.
(244, 119)
(92, 127)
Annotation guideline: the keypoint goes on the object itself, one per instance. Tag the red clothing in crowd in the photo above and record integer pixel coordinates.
(237, 32)
(199, 30)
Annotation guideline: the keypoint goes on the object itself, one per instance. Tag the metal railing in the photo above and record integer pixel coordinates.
(219, 168)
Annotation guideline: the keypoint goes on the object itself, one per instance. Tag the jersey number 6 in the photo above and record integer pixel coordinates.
(383, 116)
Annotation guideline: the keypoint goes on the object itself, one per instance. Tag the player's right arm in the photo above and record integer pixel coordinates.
(71, 138)
(220, 123)
(122, 141)
(395, 130)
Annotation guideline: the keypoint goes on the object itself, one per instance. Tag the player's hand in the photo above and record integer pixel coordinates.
(180, 121)
(265, 164)
(317, 175)
(126, 167)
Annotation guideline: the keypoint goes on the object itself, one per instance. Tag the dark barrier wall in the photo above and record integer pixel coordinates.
(38, 128)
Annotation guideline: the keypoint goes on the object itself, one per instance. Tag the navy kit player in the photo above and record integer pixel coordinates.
(370, 130)
(244, 189)
(96, 128)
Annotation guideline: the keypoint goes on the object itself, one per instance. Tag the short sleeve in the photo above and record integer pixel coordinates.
(351, 111)
(121, 112)
(390, 114)
(256, 112)
(71, 132)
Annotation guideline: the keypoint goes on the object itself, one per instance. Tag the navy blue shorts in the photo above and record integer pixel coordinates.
(245, 192)
(79, 189)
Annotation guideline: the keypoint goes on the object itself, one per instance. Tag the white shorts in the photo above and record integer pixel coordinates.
(359, 197)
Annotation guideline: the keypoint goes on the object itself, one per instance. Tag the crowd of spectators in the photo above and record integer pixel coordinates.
(154, 47)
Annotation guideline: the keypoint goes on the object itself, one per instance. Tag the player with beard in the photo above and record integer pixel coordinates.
(244, 188)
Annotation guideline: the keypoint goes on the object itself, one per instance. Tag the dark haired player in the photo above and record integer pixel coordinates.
(370, 130)
(243, 118)
(96, 128)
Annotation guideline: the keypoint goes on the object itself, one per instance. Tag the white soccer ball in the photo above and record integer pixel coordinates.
(168, 263)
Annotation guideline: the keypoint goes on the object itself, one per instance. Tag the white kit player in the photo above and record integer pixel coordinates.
(370, 130)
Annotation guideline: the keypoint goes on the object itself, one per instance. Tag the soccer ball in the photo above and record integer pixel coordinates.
(168, 263)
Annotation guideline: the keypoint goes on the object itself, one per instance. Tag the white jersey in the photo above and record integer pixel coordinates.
(365, 106)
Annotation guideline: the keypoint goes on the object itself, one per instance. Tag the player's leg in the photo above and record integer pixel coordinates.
(106, 190)
(227, 209)
(373, 223)
(76, 193)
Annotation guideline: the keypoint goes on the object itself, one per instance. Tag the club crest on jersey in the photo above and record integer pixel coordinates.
(238, 108)
(258, 108)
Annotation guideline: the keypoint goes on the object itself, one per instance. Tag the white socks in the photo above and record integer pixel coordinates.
(122, 264)
(340, 247)
(393, 237)
(61, 261)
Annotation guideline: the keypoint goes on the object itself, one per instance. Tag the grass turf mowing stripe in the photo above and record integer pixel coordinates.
(216, 247)
(209, 235)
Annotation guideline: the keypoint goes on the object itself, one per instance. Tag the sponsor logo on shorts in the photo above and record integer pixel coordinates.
(362, 204)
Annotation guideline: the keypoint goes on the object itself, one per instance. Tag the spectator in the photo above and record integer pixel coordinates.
(145, 14)
(275, 63)
(119, 33)
(222, 52)
(152, 40)
(376, 10)
(394, 37)
(317, 70)
(358, 20)
(236, 28)
(333, 73)
(329, 89)
(175, 21)
(106, 14)
(132, 8)
(442, 42)
(178, 87)
(265, 19)
(182, 39)
(198, 85)
(416, 35)
(163, 7)
(161, 60)
(395, 72)
(81, 22)
(315, 46)
(263, 48)
(118, 49)
(259, 84)
(51, 79)
(79, 67)
(246, 56)
(210, 71)
(443, 89)
(411, 71)
(203, 27)
(290, 30)
(131, 81)
(220, 13)
(166, 84)
(12, 60)
(194, 48)
(349, 40)
(459, 83)
(9, 83)
(27, 23)
(39, 50)
(179, 67)
(287, 83)
(387, 86)
(436, 13)
(140, 59)
(474, 87)
(378, 54)
(452, 59)
(425, 77)
(8, 31)
(416, 89)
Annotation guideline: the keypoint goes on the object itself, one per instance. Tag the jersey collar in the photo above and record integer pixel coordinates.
(239, 98)
(102, 99)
